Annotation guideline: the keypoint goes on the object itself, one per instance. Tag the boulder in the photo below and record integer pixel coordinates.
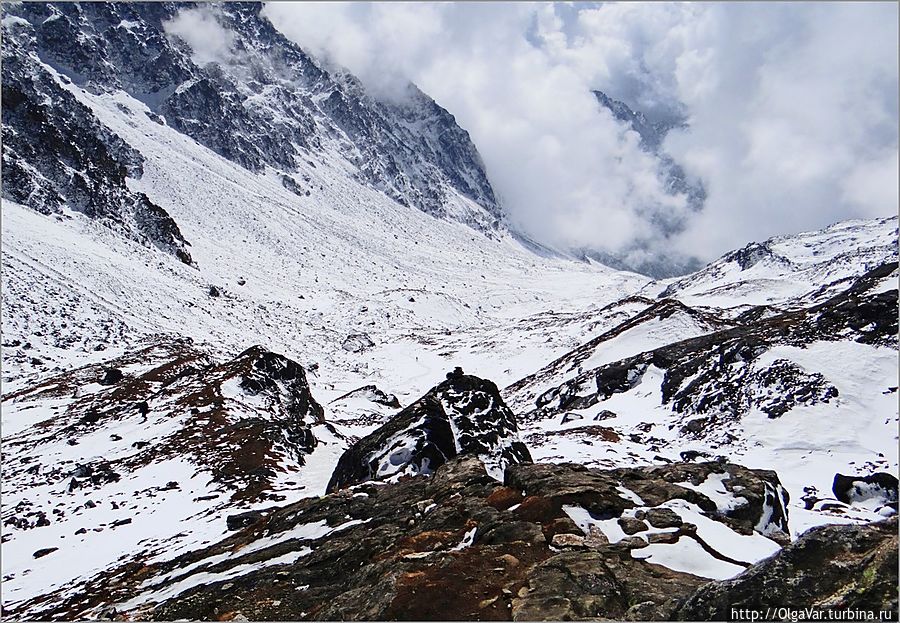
(663, 518)
(880, 486)
(373, 394)
(242, 520)
(831, 567)
(111, 376)
(462, 415)
(357, 343)
(631, 525)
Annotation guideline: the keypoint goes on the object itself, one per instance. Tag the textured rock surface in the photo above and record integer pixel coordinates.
(828, 568)
(454, 546)
(57, 155)
(243, 420)
(462, 415)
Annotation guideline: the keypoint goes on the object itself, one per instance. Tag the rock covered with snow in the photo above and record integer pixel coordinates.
(878, 489)
(830, 568)
(462, 415)
(357, 343)
(747, 501)
(735, 387)
(717, 374)
(552, 543)
(372, 394)
(780, 356)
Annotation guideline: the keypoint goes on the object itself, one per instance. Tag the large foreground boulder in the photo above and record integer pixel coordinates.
(463, 415)
(834, 567)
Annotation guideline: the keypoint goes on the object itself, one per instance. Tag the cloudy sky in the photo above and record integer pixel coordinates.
(791, 108)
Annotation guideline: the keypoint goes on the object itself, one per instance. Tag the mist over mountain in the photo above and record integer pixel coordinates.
(287, 335)
(786, 114)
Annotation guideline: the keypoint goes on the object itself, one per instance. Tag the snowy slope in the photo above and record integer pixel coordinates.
(810, 394)
(347, 247)
(296, 273)
(779, 356)
(804, 268)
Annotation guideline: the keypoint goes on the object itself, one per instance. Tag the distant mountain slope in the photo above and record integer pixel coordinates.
(655, 260)
(272, 105)
(788, 270)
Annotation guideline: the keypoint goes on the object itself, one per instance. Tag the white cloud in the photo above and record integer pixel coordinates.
(792, 107)
(210, 42)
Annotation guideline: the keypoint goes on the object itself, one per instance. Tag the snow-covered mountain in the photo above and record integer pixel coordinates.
(208, 324)
(274, 108)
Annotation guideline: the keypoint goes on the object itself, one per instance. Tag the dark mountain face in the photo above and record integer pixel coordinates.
(652, 133)
(262, 104)
(57, 155)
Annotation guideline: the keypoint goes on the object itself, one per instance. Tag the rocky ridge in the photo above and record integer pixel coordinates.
(276, 108)
(551, 542)
(707, 374)
(152, 447)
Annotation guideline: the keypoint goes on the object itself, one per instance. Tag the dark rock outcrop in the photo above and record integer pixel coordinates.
(827, 568)
(881, 486)
(111, 376)
(761, 500)
(373, 394)
(462, 415)
(454, 546)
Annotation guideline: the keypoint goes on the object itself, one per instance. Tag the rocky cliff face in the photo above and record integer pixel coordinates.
(272, 104)
(57, 155)
(157, 465)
